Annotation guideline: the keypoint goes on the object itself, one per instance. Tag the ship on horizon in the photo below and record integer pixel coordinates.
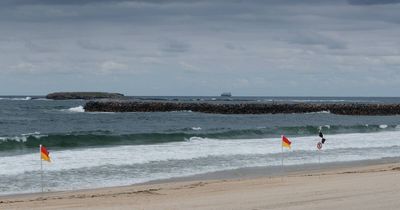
(226, 94)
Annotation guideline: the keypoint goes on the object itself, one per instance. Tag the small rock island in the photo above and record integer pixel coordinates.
(83, 95)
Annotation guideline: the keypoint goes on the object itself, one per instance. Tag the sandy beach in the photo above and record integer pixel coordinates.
(365, 187)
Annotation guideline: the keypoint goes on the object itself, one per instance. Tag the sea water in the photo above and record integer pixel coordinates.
(90, 150)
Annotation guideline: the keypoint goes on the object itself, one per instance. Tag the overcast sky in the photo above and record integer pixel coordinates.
(194, 47)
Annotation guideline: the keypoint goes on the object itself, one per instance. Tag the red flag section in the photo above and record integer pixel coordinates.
(286, 142)
(44, 154)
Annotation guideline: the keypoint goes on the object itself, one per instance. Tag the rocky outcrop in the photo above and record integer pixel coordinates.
(83, 95)
(243, 108)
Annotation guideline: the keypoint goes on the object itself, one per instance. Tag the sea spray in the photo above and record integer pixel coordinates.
(77, 109)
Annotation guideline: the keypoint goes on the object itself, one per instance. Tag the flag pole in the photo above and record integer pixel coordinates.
(41, 168)
(282, 162)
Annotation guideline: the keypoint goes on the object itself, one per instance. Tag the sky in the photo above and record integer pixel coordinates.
(201, 47)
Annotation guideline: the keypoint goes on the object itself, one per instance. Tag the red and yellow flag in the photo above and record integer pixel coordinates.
(44, 154)
(286, 142)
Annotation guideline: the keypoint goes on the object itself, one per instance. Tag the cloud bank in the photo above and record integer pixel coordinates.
(193, 47)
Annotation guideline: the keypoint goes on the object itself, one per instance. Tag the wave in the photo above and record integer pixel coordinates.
(321, 112)
(86, 168)
(17, 99)
(23, 138)
(383, 126)
(86, 140)
(76, 109)
(107, 138)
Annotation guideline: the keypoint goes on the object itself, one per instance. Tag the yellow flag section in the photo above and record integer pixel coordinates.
(44, 154)
(286, 142)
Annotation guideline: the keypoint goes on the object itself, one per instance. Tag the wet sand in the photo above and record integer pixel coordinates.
(374, 186)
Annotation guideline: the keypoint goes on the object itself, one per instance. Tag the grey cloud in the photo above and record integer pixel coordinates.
(39, 48)
(230, 46)
(85, 2)
(90, 45)
(373, 2)
(310, 38)
(174, 46)
(155, 10)
(305, 42)
(55, 2)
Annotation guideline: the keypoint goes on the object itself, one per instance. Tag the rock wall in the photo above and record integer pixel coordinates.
(244, 108)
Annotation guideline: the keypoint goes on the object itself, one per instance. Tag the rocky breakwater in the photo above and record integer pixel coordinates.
(82, 95)
(242, 108)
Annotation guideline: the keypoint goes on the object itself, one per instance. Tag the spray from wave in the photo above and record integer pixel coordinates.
(76, 109)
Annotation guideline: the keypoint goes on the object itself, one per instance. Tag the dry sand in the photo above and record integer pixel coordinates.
(369, 187)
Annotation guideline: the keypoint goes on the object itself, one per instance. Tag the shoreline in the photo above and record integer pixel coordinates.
(151, 189)
(238, 173)
(273, 171)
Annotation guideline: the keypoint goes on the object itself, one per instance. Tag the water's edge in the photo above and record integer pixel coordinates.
(240, 173)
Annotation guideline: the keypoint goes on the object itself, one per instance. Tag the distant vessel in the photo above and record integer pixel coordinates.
(226, 94)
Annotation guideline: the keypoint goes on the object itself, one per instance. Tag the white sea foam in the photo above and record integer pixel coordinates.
(325, 126)
(17, 99)
(383, 126)
(15, 138)
(89, 167)
(77, 109)
(324, 112)
(198, 147)
(183, 111)
(321, 112)
(196, 128)
(23, 137)
(31, 134)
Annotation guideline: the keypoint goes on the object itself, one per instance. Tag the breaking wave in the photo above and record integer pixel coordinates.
(107, 138)
(76, 109)
(17, 98)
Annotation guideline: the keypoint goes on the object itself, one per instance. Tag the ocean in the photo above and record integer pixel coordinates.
(91, 150)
